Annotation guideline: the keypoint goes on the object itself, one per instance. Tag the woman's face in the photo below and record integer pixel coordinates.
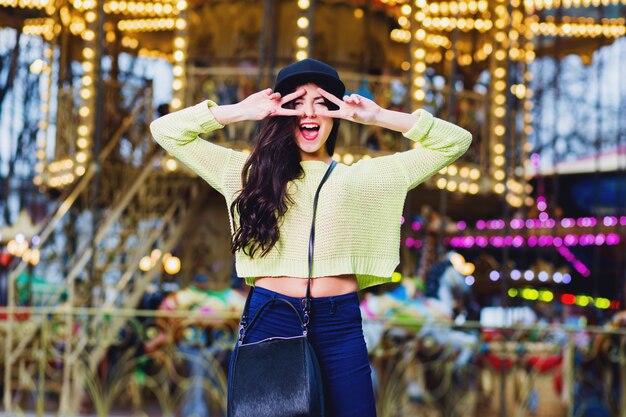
(312, 130)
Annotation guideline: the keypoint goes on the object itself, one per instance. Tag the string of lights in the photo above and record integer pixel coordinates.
(302, 41)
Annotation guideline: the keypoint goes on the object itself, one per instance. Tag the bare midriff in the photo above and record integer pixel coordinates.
(320, 286)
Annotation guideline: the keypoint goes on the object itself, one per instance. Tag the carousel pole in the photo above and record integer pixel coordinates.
(266, 26)
(311, 30)
(443, 193)
(598, 150)
(304, 33)
(69, 389)
(506, 141)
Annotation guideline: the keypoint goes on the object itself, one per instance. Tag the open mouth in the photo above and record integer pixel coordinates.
(309, 130)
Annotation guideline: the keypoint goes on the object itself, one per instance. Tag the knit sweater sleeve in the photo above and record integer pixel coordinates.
(177, 133)
(439, 144)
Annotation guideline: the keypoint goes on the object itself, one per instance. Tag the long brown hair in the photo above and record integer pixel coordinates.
(263, 200)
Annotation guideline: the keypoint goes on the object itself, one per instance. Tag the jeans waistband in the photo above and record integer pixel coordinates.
(335, 299)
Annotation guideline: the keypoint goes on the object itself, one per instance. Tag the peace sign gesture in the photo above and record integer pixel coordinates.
(353, 107)
(266, 103)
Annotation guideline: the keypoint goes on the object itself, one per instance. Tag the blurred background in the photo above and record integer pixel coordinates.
(118, 294)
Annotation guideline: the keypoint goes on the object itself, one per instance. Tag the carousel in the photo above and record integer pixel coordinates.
(99, 253)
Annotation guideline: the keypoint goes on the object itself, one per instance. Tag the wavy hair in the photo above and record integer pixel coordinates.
(263, 200)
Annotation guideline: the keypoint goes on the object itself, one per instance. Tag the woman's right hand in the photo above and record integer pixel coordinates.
(267, 103)
(257, 106)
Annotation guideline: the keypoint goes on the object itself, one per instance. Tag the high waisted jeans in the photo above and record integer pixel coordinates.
(336, 333)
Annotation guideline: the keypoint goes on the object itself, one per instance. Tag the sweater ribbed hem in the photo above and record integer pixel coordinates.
(422, 127)
(205, 117)
(369, 271)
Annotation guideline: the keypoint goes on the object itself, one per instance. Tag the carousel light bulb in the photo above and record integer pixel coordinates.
(176, 103)
(155, 254)
(303, 22)
(300, 55)
(181, 24)
(37, 66)
(419, 95)
(81, 157)
(179, 42)
(171, 164)
(82, 143)
(88, 53)
(302, 42)
(145, 264)
(88, 35)
(172, 265)
(419, 53)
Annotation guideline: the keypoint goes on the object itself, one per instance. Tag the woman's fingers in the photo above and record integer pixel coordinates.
(330, 97)
(280, 111)
(352, 99)
(292, 96)
(338, 114)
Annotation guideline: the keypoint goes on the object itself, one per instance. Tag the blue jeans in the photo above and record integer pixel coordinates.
(336, 333)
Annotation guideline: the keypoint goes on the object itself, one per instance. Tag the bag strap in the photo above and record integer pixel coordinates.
(307, 302)
(307, 305)
(267, 304)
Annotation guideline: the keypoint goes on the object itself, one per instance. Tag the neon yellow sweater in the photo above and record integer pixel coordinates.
(359, 209)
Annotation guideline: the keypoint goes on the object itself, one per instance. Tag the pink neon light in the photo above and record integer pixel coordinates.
(542, 206)
(545, 222)
(517, 241)
(577, 264)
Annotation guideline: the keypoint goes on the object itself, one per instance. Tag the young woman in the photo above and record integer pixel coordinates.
(270, 197)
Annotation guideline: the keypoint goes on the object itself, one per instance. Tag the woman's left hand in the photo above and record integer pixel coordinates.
(353, 107)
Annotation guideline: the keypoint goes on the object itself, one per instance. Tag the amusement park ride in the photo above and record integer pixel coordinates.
(116, 207)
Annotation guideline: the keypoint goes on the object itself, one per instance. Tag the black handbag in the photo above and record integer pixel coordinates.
(278, 376)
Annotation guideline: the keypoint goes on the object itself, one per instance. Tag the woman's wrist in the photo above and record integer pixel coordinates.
(229, 113)
(395, 120)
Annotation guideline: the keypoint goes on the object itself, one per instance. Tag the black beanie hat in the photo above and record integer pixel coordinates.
(309, 71)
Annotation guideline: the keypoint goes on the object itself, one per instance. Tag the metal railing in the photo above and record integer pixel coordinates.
(166, 361)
